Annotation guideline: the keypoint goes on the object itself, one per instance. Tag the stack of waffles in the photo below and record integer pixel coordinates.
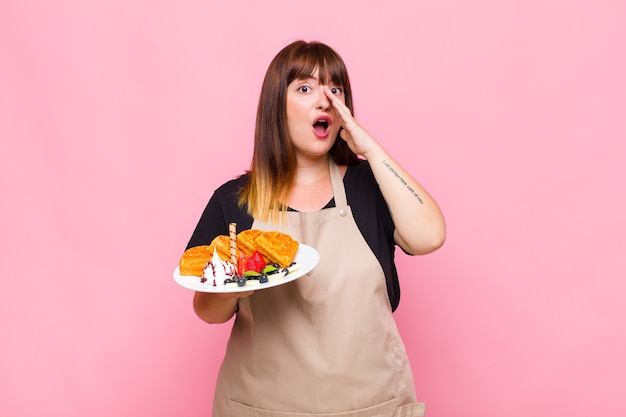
(276, 247)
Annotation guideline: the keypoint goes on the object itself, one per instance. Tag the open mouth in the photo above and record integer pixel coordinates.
(321, 125)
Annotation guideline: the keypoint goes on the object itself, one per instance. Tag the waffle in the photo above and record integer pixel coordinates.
(194, 260)
(222, 244)
(245, 241)
(277, 247)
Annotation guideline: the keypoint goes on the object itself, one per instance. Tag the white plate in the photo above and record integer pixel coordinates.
(306, 257)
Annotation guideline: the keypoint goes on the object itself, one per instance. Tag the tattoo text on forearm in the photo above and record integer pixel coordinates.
(403, 181)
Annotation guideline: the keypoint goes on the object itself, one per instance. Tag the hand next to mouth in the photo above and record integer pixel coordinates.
(357, 138)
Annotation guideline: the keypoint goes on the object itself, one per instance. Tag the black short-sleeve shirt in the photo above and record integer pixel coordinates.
(368, 206)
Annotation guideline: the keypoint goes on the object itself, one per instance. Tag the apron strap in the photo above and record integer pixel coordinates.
(336, 180)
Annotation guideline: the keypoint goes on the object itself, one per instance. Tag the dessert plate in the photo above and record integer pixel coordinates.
(306, 257)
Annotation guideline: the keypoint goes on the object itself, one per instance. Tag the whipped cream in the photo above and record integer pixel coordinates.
(217, 270)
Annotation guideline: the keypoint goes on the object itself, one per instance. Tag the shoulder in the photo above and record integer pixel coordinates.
(360, 182)
(366, 200)
(222, 209)
(360, 169)
(226, 197)
(232, 188)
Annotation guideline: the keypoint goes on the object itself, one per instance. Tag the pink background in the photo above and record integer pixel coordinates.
(119, 118)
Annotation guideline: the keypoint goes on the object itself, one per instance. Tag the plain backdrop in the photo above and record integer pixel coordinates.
(119, 118)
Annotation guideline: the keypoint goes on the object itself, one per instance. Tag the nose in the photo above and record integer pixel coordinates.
(323, 102)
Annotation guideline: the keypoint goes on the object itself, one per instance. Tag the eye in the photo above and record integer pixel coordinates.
(304, 89)
(336, 90)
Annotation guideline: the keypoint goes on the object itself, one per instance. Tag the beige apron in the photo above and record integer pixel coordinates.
(325, 344)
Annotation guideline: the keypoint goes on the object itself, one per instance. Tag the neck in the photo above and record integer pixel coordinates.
(310, 172)
(312, 187)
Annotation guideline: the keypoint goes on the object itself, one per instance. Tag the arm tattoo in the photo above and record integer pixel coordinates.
(403, 181)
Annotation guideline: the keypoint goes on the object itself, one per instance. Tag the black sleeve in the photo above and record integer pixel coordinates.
(221, 210)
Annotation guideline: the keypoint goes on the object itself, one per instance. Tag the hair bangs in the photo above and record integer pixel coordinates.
(318, 57)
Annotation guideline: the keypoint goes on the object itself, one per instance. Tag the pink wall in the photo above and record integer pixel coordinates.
(118, 118)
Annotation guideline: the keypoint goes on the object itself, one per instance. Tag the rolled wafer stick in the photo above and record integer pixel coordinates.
(232, 231)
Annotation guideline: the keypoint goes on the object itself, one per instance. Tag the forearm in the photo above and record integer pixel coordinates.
(214, 308)
(420, 225)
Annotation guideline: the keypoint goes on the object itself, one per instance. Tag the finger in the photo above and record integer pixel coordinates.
(347, 119)
(337, 103)
(343, 134)
(329, 93)
(343, 111)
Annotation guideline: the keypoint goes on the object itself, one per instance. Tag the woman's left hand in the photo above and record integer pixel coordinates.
(419, 224)
(357, 138)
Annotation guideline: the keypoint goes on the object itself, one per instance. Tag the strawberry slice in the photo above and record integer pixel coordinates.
(252, 265)
(255, 263)
(258, 258)
(242, 263)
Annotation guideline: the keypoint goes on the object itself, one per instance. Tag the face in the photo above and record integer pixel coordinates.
(312, 122)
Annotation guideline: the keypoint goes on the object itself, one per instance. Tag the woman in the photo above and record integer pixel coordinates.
(325, 343)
